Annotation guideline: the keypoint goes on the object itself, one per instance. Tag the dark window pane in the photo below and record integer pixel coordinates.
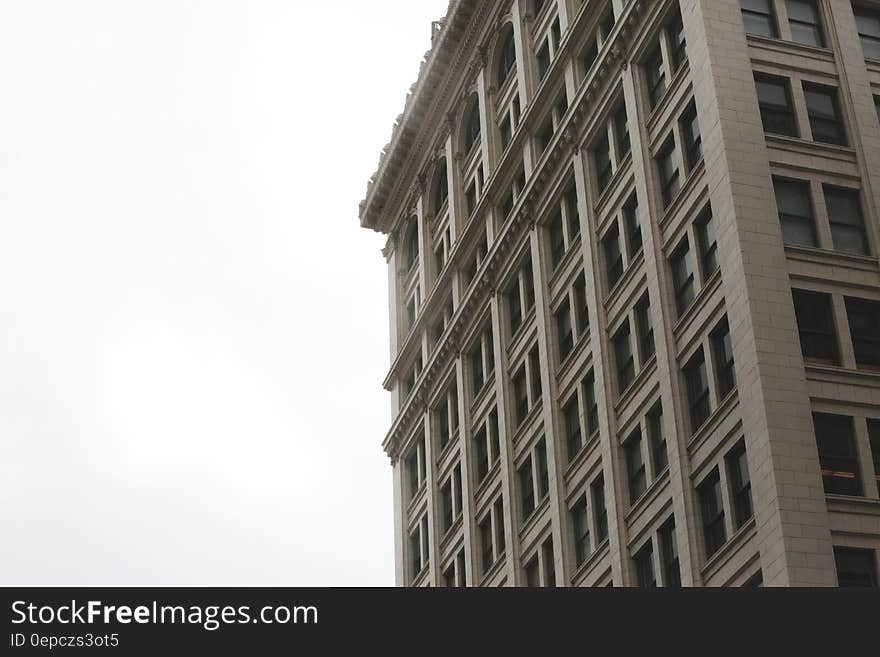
(633, 227)
(774, 101)
(683, 277)
(823, 109)
(845, 216)
(656, 76)
(602, 161)
(712, 510)
(804, 21)
(741, 484)
(675, 32)
(598, 491)
(564, 331)
(758, 17)
(573, 437)
(624, 358)
(635, 467)
(657, 437)
(838, 461)
(667, 169)
(645, 328)
(591, 412)
(669, 555)
(855, 567)
(725, 371)
(868, 23)
(644, 561)
(613, 256)
(507, 60)
(693, 143)
(697, 382)
(621, 133)
(580, 521)
(815, 320)
(864, 326)
(708, 242)
(795, 212)
(526, 488)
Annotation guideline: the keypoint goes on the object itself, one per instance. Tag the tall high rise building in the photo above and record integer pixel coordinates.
(635, 295)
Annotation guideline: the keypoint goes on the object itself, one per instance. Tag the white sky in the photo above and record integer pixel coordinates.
(193, 327)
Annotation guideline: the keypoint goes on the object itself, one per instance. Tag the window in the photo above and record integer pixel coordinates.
(557, 240)
(697, 390)
(570, 204)
(580, 522)
(533, 573)
(632, 226)
(598, 492)
(815, 322)
(645, 329)
(838, 460)
(845, 215)
(412, 246)
(564, 330)
(868, 23)
(864, 326)
(722, 349)
(655, 71)
(446, 416)
(855, 567)
(582, 312)
(623, 355)
(644, 561)
(542, 472)
(708, 242)
(613, 256)
(657, 438)
(712, 508)
(874, 439)
(669, 555)
(804, 21)
(533, 479)
(693, 143)
(572, 420)
(535, 374)
(675, 34)
(447, 504)
(487, 446)
(418, 542)
(482, 360)
(621, 132)
(472, 126)
(543, 59)
(758, 17)
(491, 529)
(591, 410)
(602, 162)
(526, 487)
(635, 466)
(667, 168)
(520, 395)
(740, 484)
(520, 296)
(507, 58)
(415, 468)
(795, 212)
(774, 101)
(441, 189)
(683, 277)
(823, 109)
(549, 563)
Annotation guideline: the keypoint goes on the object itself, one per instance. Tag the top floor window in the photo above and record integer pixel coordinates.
(507, 58)
(472, 126)
(441, 189)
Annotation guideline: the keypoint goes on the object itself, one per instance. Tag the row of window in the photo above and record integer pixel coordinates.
(815, 315)
(836, 442)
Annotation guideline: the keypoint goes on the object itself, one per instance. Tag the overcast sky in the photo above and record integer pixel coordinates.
(193, 326)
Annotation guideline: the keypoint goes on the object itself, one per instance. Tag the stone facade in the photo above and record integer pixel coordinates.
(632, 264)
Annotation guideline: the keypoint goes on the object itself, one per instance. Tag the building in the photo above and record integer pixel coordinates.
(635, 295)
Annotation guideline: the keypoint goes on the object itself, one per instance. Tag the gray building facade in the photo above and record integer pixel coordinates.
(634, 295)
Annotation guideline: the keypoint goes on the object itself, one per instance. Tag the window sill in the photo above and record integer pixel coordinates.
(525, 427)
(842, 375)
(652, 492)
(712, 422)
(853, 505)
(618, 180)
(451, 534)
(789, 47)
(416, 501)
(642, 378)
(494, 570)
(729, 549)
(807, 147)
(677, 202)
(534, 518)
(697, 305)
(591, 563)
(584, 454)
(573, 356)
(663, 102)
(629, 273)
(488, 481)
(816, 255)
(483, 392)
